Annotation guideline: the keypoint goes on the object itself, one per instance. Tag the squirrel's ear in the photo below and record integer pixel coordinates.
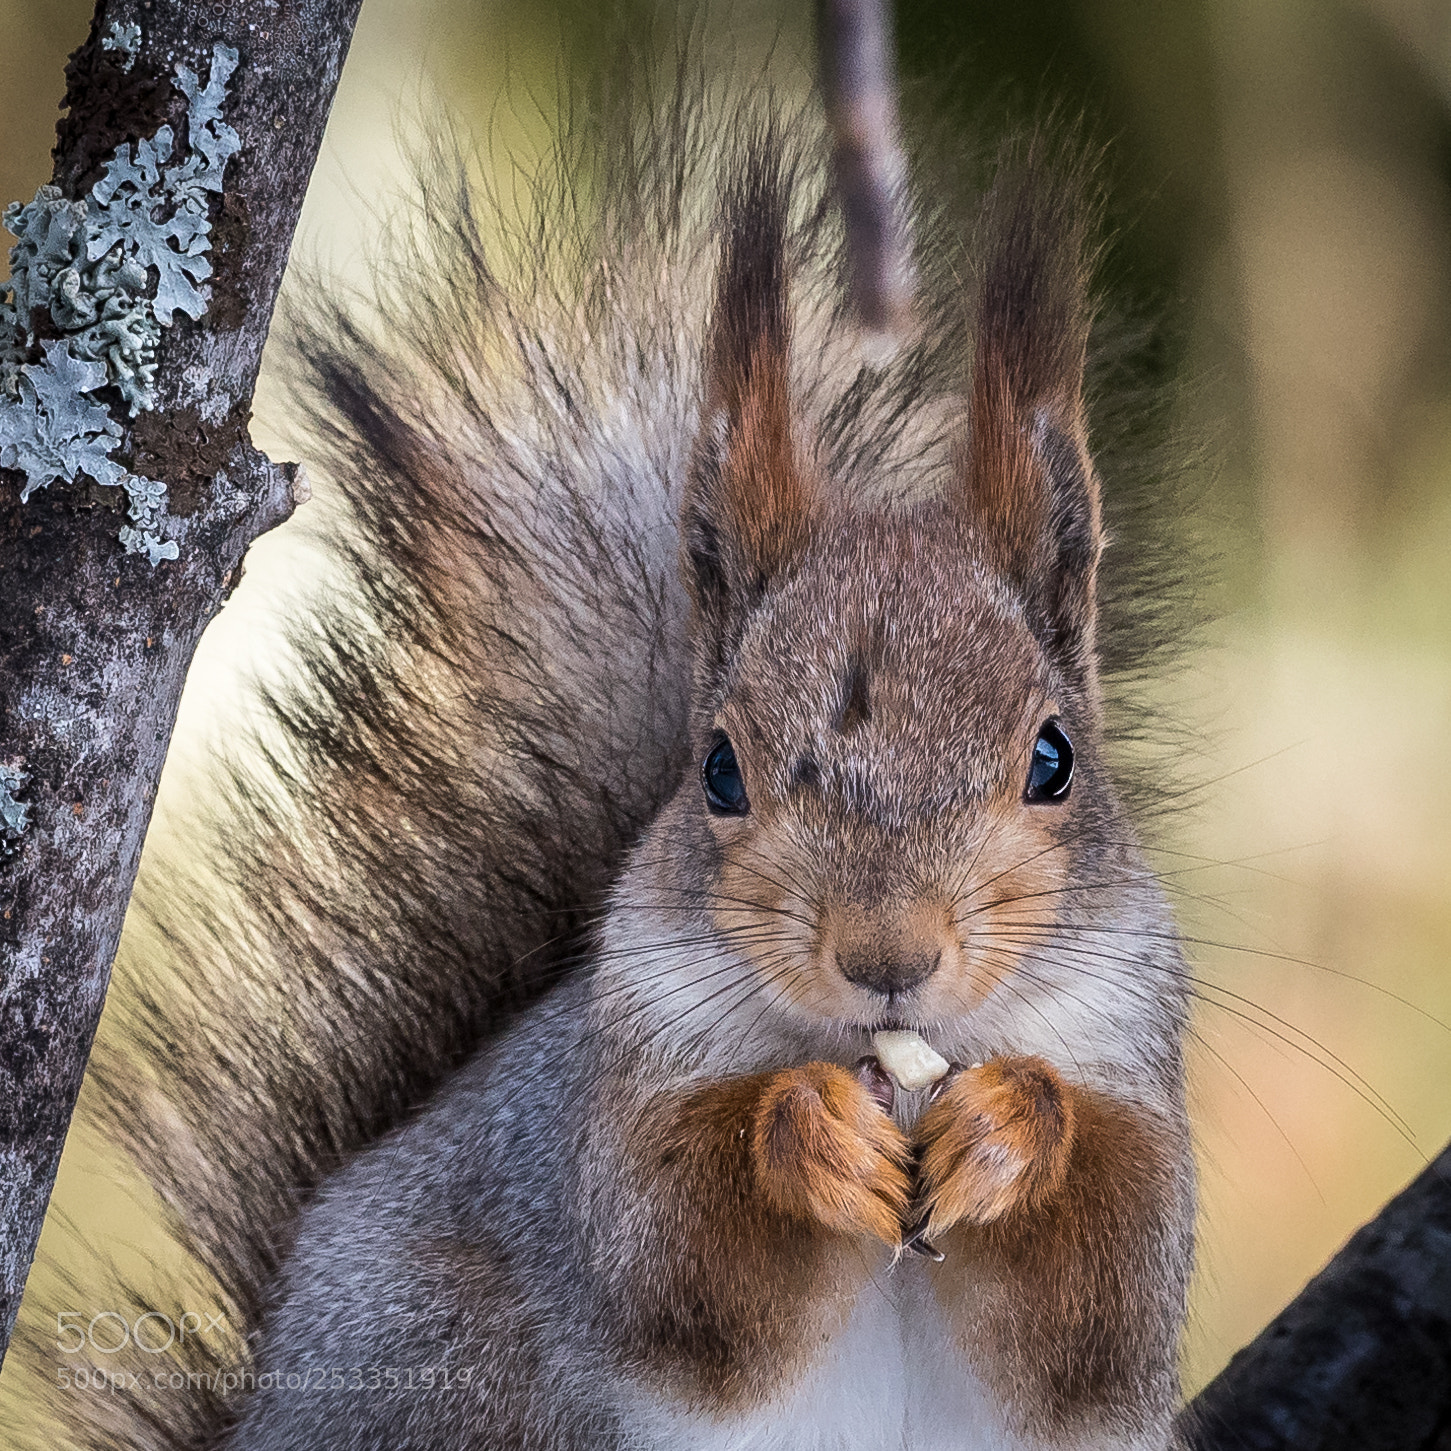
(746, 509)
(1029, 486)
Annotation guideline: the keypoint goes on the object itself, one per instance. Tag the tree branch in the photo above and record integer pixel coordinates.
(1361, 1359)
(95, 643)
(858, 82)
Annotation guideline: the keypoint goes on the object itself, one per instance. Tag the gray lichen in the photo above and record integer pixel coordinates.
(52, 431)
(125, 40)
(14, 815)
(88, 265)
(101, 305)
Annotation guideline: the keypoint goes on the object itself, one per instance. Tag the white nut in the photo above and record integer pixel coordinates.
(909, 1058)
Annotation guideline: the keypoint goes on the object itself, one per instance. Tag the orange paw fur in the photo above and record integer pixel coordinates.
(995, 1138)
(823, 1149)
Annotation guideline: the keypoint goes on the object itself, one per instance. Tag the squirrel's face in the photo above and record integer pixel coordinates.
(887, 705)
(886, 814)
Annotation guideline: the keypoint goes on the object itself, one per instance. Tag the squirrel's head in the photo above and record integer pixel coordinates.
(896, 711)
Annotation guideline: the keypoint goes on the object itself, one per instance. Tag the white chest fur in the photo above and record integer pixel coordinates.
(889, 1380)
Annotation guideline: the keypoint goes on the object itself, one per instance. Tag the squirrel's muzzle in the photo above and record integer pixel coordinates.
(886, 972)
(886, 946)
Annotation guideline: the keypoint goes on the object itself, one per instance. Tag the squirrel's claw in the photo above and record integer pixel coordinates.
(915, 1242)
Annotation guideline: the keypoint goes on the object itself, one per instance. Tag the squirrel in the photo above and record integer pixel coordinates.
(691, 703)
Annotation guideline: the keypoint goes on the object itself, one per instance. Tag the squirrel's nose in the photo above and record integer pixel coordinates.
(884, 972)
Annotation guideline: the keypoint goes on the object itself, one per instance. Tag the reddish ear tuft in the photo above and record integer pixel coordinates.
(746, 509)
(1028, 482)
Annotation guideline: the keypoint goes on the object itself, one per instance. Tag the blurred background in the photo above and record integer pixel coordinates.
(1280, 173)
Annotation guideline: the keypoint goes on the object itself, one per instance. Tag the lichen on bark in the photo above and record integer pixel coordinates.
(92, 284)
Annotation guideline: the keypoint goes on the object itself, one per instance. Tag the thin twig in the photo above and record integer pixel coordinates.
(858, 79)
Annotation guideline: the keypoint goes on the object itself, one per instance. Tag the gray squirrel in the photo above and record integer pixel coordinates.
(691, 702)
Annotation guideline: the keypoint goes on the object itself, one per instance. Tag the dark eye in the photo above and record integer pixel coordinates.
(725, 792)
(1051, 773)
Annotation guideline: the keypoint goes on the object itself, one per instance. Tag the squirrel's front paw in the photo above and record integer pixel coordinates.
(995, 1137)
(824, 1149)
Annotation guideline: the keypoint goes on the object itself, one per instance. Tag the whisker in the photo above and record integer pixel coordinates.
(1242, 1081)
(1198, 985)
(1268, 955)
(1336, 1066)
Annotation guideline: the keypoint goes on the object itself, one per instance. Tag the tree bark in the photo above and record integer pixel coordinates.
(94, 643)
(1361, 1359)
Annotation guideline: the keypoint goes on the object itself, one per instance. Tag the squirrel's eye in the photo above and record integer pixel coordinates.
(725, 792)
(1051, 773)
